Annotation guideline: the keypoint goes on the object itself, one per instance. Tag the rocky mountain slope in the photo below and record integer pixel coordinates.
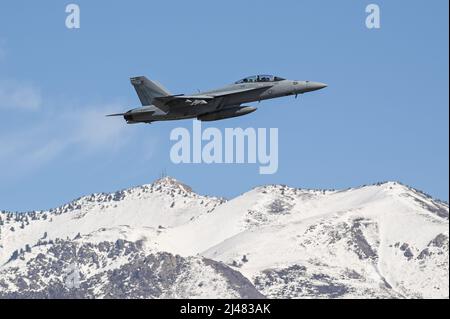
(164, 241)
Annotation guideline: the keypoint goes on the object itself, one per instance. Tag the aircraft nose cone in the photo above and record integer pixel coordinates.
(313, 86)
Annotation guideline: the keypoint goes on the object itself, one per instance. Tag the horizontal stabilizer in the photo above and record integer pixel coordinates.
(116, 114)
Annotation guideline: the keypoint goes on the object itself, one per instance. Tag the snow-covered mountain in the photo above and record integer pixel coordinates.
(164, 241)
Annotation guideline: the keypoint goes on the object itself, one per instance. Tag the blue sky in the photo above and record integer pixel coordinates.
(383, 117)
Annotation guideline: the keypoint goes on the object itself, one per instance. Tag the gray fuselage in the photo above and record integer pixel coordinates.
(221, 100)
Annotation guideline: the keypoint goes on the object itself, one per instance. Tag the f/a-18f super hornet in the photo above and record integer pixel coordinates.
(226, 102)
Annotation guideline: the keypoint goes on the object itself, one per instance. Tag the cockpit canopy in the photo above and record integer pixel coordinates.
(260, 78)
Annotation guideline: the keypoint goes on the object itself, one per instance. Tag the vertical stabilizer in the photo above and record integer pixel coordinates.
(147, 90)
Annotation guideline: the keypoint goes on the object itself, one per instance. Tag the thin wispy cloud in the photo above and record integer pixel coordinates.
(44, 132)
(82, 131)
(58, 131)
(19, 95)
(93, 129)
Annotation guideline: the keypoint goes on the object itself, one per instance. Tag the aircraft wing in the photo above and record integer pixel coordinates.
(182, 97)
(237, 91)
(192, 100)
(181, 100)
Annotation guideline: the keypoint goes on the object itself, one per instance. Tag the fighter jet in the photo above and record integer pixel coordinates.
(226, 102)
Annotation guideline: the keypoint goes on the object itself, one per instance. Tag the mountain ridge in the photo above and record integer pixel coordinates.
(168, 180)
(288, 242)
